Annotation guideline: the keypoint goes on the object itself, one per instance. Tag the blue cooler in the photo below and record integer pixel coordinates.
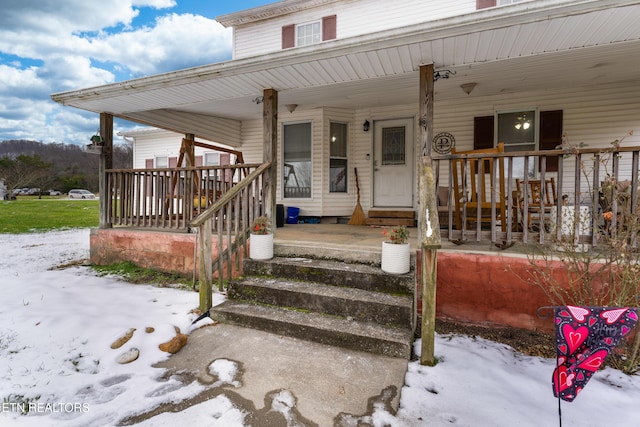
(292, 215)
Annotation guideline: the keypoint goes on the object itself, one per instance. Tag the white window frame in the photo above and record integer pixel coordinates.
(345, 158)
(163, 159)
(285, 169)
(207, 155)
(305, 41)
(518, 166)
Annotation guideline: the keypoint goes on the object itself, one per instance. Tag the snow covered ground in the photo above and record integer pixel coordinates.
(57, 326)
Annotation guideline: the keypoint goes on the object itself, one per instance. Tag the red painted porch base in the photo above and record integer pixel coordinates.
(485, 289)
(168, 252)
(474, 288)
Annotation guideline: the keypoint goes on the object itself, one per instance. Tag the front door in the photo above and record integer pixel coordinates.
(393, 163)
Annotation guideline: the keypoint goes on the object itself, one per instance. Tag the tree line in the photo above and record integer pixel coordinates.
(56, 166)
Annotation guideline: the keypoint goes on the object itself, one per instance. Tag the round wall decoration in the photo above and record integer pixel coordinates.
(443, 143)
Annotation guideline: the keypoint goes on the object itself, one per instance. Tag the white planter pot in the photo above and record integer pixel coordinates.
(395, 258)
(261, 246)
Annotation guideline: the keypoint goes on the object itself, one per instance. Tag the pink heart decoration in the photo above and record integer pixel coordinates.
(565, 379)
(592, 321)
(593, 362)
(562, 348)
(633, 315)
(625, 330)
(580, 376)
(578, 313)
(608, 341)
(575, 337)
(561, 360)
(612, 315)
(564, 313)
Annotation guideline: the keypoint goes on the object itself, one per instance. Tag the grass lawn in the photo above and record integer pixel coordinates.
(28, 214)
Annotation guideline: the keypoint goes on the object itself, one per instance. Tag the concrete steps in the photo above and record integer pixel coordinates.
(342, 304)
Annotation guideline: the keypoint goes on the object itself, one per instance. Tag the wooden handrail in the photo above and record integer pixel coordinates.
(222, 211)
(229, 195)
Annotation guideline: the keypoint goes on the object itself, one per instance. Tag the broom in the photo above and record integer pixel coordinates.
(358, 217)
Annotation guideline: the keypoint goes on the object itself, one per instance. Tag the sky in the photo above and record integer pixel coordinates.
(59, 319)
(52, 46)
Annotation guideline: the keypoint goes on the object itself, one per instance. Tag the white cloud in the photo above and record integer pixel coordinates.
(50, 46)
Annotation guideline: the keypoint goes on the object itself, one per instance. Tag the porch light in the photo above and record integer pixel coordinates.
(365, 126)
(468, 87)
(522, 122)
(291, 107)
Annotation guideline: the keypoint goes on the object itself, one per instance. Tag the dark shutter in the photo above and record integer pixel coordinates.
(329, 27)
(198, 160)
(288, 36)
(482, 132)
(551, 135)
(483, 4)
(173, 162)
(148, 163)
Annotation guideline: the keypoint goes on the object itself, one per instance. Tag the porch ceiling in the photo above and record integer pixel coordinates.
(530, 46)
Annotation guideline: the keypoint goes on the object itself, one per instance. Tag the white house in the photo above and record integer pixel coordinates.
(346, 75)
(159, 148)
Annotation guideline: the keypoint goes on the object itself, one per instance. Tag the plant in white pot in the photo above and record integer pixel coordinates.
(396, 254)
(261, 240)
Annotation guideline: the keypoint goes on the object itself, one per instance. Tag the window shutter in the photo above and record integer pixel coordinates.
(173, 162)
(198, 160)
(329, 27)
(148, 163)
(482, 132)
(483, 4)
(288, 36)
(551, 135)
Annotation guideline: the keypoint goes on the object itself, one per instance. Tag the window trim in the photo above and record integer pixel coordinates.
(282, 152)
(308, 23)
(345, 158)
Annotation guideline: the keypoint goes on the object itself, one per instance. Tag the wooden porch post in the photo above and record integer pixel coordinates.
(105, 162)
(190, 149)
(428, 222)
(269, 132)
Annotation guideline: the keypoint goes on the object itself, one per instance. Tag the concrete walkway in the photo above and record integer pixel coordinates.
(318, 385)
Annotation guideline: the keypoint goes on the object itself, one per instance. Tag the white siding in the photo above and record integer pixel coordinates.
(354, 18)
(152, 144)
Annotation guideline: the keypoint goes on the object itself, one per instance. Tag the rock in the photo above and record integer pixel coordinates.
(128, 356)
(149, 330)
(175, 344)
(123, 339)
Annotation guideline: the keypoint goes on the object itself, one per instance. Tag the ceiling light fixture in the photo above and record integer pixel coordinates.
(468, 87)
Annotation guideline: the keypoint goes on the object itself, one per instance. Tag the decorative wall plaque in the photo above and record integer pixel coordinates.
(443, 143)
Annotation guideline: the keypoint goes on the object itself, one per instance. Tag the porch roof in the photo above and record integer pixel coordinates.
(528, 46)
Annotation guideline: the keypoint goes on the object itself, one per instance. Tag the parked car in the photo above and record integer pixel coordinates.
(54, 193)
(81, 194)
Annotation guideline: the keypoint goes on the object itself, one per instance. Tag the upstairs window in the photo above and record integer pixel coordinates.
(309, 33)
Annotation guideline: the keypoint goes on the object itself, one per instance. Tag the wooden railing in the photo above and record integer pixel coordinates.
(167, 198)
(230, 217)
(580, 175)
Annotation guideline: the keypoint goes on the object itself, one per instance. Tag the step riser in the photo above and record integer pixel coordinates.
(365, 311)
(368, 281)
(340, 339)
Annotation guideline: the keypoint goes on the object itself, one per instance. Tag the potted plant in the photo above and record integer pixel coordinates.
(261, 240)
(396, 251)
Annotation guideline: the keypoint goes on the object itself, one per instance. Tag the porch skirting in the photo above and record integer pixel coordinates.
(477, 288)
(159, 250)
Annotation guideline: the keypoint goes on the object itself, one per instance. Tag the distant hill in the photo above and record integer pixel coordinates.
(72, 166)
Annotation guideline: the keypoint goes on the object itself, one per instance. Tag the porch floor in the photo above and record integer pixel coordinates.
(360, 242)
